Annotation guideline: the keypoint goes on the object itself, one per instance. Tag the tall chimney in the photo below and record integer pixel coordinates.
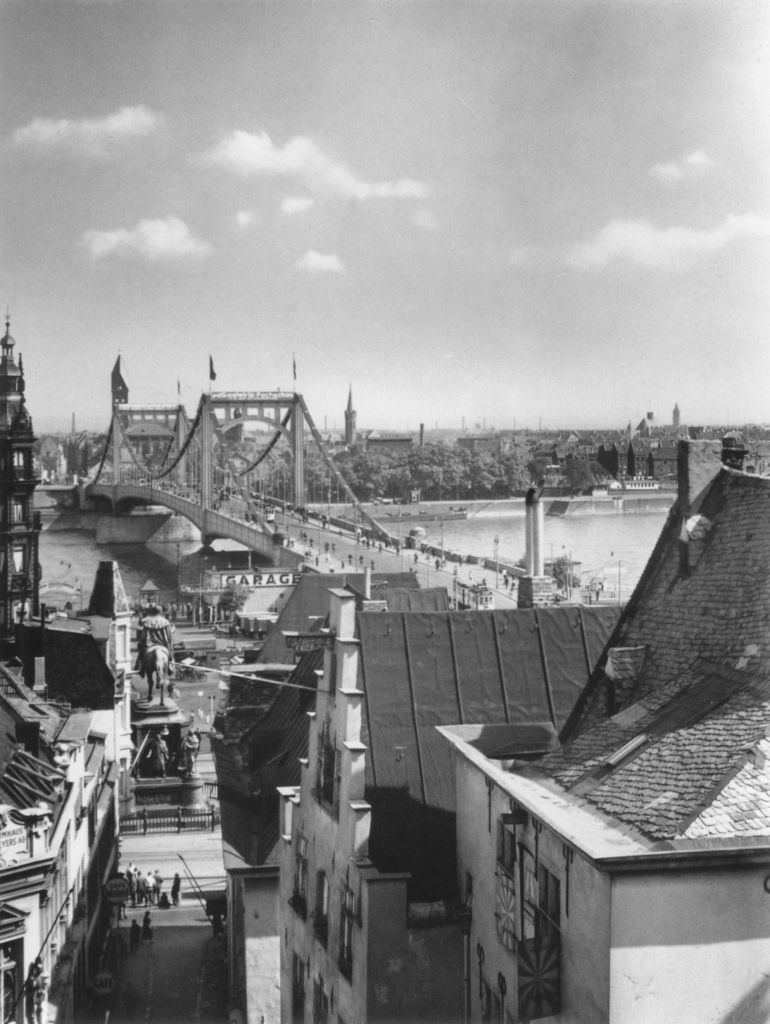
(698, 462)
(422, 435)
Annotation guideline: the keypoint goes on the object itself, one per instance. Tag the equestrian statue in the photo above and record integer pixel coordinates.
(155, 650)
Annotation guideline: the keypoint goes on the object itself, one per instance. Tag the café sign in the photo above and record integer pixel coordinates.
(267, 578)
(13, 839)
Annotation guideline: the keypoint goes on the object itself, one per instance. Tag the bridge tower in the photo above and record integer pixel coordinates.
(19, 524)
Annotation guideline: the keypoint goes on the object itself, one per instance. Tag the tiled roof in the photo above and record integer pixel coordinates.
(718, 609)
(689, 668)
(667, 765)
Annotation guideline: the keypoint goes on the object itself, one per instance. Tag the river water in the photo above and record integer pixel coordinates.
(615, 547)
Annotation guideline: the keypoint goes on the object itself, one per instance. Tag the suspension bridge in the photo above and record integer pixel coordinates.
(227, 470)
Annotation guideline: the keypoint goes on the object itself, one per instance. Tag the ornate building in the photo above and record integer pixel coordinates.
(19, 524)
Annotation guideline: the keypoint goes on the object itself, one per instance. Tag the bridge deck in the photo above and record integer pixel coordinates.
(211, 523)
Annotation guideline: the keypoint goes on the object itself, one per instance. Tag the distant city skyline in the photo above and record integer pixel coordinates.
(547, 211)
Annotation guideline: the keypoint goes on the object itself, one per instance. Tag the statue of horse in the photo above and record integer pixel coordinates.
(155, 667)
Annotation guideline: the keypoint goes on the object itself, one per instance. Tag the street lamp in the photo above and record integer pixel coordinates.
(497, 560)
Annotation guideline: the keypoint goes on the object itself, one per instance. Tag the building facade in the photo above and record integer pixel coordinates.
(19, 524)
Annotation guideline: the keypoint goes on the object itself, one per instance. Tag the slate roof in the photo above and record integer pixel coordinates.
(109, 594)
(685, 755)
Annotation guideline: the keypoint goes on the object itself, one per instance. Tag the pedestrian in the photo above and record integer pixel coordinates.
(134, 936)
(146, 927)
(131, 885)
(158, 885)
(141, 889)
(176, 885)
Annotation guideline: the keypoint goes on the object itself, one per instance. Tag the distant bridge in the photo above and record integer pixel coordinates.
(222, 470)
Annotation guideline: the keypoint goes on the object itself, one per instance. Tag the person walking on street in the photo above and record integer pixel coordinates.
(158, 885)
(147, 927)
(135, 936)
(141, 889)
(176, 885)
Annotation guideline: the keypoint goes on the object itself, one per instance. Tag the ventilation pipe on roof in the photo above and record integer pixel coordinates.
(367, 583)
(534, 528)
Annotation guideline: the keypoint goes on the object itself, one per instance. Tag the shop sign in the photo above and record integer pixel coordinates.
(104, 983)
(13, 839)
(117, 890)
(274, 578)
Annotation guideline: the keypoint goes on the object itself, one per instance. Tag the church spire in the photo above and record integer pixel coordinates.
(350, 420)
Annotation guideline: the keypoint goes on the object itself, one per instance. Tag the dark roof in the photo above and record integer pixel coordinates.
(264, 734)
(109, 594)
(310, 600)
(418, 670)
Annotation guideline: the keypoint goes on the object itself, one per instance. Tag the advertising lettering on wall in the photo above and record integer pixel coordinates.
(13, 839)
(268, 578)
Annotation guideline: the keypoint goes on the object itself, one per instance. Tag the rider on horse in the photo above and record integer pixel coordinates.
(154, 631)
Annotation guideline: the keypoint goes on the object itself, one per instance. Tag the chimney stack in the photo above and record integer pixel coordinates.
(535, 589)
(698, 462)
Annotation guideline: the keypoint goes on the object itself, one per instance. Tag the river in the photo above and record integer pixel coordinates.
(614, 546)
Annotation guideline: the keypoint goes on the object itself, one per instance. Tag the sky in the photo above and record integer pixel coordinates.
(479, 214)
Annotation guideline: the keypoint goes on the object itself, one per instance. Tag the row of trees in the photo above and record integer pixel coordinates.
(440, 471)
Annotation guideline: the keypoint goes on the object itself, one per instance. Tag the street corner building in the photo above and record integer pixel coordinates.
(625, 876)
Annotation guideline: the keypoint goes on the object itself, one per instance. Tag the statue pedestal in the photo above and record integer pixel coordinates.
(192, 791)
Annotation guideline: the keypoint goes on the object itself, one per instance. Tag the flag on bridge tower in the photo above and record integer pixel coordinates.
(178, 386)
(294, 367)
(212, 374)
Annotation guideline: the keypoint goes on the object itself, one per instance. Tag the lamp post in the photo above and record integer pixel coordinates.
(497, 560)
(619, 568)
(178, 577)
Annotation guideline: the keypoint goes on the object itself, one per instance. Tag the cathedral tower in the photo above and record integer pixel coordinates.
(677, 416)
(19, 524)
(350, 421)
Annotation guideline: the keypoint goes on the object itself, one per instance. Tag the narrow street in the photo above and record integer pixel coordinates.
(180, 976)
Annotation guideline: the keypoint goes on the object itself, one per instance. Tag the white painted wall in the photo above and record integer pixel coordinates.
(691, 947)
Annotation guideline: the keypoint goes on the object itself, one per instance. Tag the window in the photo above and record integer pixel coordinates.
(321, 916)
(506, 844)
(329, 771)
(549, 903)
(541, 903)
(299, 896)
(347, 919)
(320, 1003)
(297, 990)
(17, 511)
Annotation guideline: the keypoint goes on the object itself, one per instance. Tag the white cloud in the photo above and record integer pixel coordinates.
(250, 154)
(91, 137)
(245, 218)
(320, 263)
(425, 219)
(296, 204)
(168, 239)
(693, 165)
(638, 241)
